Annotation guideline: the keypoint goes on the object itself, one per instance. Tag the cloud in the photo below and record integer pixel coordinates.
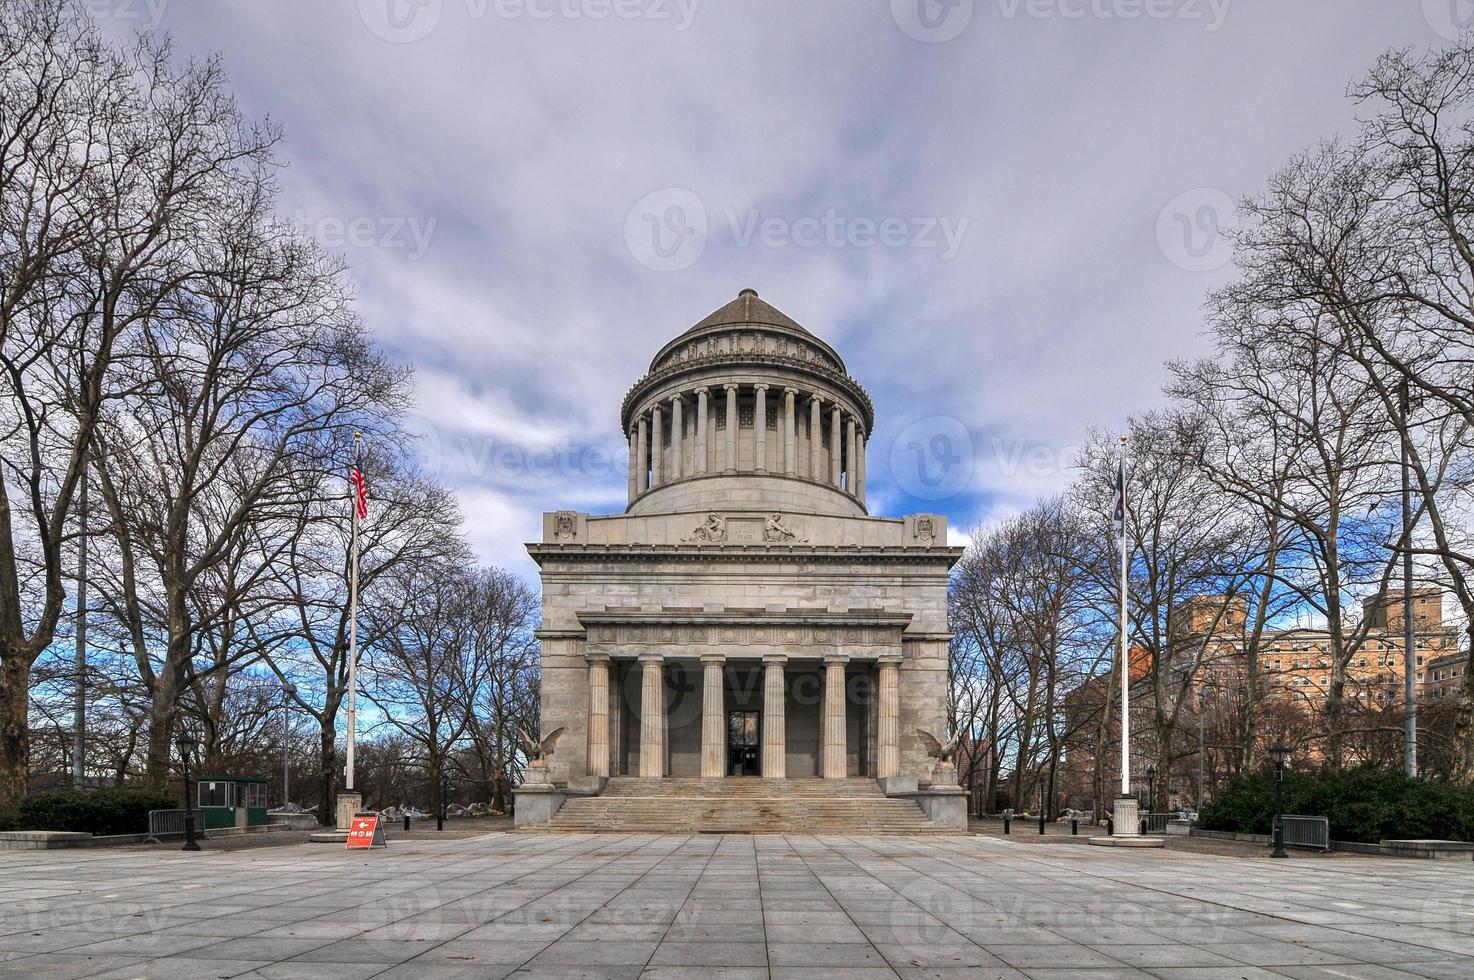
(514, 148)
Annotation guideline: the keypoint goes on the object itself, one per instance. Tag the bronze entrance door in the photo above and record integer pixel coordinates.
(743, 744)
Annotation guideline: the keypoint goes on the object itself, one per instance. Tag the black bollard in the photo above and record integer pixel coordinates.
(1041, 823)
(1110, 826)
(1006, 823)
(1074, 827)
(406, 821)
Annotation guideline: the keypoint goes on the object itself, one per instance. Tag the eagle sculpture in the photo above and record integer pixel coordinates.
(539, 751)
(944, 752)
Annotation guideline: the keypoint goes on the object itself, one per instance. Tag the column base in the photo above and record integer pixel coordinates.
(1126, 816)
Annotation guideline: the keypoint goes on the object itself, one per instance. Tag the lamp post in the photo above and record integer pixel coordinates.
(1280, 754)
(186, 744)
(288, 691)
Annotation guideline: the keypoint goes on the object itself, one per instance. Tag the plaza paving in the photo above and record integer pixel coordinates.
(728, 906)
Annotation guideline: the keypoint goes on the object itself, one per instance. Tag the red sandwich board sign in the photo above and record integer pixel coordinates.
(366, 832)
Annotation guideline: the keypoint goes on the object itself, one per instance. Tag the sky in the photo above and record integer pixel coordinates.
(1004, 214)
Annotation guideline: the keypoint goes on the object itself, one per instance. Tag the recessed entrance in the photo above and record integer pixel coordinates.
(743, 743)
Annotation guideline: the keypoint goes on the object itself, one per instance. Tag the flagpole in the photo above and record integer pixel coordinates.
(353, 493)
(1125, 659)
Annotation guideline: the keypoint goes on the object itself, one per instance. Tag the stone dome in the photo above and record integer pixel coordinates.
(801, 422)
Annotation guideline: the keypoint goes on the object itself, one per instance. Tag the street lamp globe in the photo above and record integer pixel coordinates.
(186, 744)
(1280, 753)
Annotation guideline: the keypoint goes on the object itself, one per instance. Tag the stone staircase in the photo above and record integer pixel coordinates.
(743, 805)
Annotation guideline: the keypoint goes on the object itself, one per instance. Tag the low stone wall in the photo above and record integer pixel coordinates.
(1440, 850)
(51, 840)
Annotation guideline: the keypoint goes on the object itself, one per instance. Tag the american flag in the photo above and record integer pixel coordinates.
(360, 488)
(1118, 505)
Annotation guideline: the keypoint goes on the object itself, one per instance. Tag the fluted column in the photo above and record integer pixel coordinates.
(860, 466)
(657, 446)
(731, 428)
(836, 444)
(888, 736)
(760, 430)
(598, 716)
(652, 717)
(849, 425)
(702, 395)
(616, 722)
(816, 439)
(775, 718)
(677, 435)
(790, 431)
(713, 718)
(835, 750)
(644, 454)
(634, 462)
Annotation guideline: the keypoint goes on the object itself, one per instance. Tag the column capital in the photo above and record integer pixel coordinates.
(714, 658)
(652, 658)
(789, 391)
(890, 660)
(760, 386)
(679, 396)
(596, 658)
(816, 398)
(778, 659)
(836, 659)
(703, 390)
(731, 386)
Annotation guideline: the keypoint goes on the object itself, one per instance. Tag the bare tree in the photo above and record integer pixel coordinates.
(108, 160)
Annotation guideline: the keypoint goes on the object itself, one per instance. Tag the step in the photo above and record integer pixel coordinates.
(741, 805)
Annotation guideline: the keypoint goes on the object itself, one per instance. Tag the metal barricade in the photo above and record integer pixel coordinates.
(1310, 832)
(1155, 823)
(164, 823)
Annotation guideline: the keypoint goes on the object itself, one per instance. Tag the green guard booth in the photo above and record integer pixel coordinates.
(231, 801)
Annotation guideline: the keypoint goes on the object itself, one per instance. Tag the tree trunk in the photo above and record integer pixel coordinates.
(15, 738)
(327, 777)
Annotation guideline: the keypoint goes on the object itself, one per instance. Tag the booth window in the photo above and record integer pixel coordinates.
(213, 794)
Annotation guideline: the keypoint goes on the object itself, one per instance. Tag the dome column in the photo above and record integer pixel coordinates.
(642, 455)
(678, 435)
(816, 439)
(860, 465)
(731, 428)
(657, 445)
(760, 429)
(702, 395)
(836, 445)
(850, 458)
(634, 462)
(790, 449)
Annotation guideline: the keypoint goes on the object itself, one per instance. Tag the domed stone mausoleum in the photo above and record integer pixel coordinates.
(746, 619)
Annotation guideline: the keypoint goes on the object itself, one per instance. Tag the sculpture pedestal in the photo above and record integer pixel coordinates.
(535, 803)
(349, 802)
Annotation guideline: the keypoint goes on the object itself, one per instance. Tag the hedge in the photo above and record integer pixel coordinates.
(1364, 804)
(96, 811)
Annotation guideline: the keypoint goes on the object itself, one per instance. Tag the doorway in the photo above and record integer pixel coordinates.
(744, 757)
